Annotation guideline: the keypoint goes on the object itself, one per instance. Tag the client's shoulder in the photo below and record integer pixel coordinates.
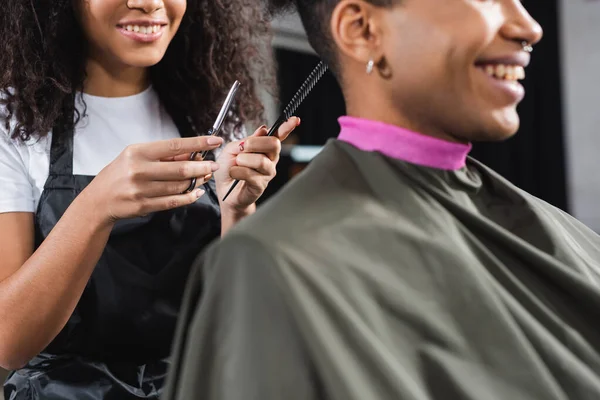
(342, 197)
(329, 187)
(556, 220)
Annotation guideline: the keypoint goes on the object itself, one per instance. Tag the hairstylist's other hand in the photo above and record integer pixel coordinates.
(151, 177)
(253, 162)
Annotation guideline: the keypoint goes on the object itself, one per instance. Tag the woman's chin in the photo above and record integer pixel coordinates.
(142, 59)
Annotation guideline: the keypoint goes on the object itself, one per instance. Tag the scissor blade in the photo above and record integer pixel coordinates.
(225, 108)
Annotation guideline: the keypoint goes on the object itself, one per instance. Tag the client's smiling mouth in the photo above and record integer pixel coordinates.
(506, 68)
(507, 72)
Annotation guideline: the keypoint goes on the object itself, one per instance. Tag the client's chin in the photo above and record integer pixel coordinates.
(503, 127)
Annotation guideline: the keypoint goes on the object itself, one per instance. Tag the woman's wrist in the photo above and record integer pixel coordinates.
(232, 215)
(92, 209)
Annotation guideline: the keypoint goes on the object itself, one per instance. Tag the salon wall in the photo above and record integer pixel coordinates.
(580, 34)
(290, 34)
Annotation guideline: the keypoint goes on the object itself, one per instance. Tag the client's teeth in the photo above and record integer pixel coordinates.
(510, 73)
(520, 72)
(129, 28)
(155, 28)
(500, 70)
(143, 29)
(506, 72)
(136, 28)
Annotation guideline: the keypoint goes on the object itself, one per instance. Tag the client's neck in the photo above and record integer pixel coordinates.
(373, 107)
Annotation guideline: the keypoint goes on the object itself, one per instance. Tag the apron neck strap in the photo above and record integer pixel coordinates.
(61, 150)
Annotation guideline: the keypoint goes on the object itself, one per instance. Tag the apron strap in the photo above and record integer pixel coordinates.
(61, 149)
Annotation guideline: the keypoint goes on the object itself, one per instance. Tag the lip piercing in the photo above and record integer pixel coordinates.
(527, 47)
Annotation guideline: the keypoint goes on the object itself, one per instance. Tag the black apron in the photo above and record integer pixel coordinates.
(116, 343)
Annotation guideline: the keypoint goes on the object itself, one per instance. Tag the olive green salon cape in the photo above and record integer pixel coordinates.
(368, 278)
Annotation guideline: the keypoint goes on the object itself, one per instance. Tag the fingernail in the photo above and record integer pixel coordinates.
(242, 146)
(214, 166)
(214, 140)
(263, 127)
(298, 123)
(199, 193)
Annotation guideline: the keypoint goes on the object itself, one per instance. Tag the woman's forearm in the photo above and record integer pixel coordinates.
(38, 299)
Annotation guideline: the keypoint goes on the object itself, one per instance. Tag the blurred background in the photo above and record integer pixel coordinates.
(554, 156)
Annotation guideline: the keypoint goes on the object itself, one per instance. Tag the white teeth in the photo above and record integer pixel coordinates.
(500, 70)
(520, 72)
(145, 30)
(510, 73)
(142, 29)
(505, 72)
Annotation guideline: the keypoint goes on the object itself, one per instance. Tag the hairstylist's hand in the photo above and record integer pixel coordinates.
(151, 177)
(253, 162)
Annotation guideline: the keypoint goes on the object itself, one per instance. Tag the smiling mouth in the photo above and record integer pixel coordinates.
(142, 29)
(504, 72)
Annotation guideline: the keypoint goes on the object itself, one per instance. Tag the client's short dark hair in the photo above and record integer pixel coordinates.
(315, 15)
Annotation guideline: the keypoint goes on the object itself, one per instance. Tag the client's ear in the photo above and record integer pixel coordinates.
(356, 30)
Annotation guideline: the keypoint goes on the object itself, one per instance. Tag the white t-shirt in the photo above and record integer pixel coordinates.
(110, 125)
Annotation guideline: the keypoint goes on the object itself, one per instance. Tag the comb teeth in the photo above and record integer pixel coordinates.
(305, 89)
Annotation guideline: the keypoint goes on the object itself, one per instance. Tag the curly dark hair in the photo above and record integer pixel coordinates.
(43, 59)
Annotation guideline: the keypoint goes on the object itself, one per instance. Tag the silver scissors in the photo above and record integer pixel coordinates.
(216, 126)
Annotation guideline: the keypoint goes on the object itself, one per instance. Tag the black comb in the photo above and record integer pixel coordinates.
(293, 105)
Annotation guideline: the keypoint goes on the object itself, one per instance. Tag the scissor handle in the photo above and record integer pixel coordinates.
(203, 155)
